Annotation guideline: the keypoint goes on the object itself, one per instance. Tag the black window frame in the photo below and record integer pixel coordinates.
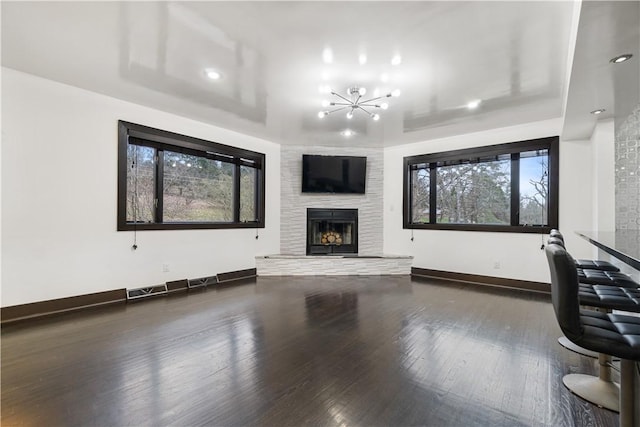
(170, 141)
(512, 148)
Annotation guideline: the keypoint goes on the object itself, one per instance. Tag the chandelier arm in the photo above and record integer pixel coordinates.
(365, 110)
(338, 109)
(341, 103)
(369, 105)
(373, 99)
(342, 97)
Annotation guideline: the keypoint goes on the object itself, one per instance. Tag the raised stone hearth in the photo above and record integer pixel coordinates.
(332, 265)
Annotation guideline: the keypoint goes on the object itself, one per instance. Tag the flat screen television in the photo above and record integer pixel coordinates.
(333, 174)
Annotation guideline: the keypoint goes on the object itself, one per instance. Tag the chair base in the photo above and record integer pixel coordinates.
(564, 341)
(592, 389)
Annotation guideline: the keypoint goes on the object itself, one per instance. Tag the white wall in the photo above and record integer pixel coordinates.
(603, 158)
(519, 255)
(59, 187)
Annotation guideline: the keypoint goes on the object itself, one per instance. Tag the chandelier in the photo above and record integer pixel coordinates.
(355, 102)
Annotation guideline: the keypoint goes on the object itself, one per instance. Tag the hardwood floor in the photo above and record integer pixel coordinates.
(325, 351)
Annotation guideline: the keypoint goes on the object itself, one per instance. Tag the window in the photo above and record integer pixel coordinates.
(171, 181)
(508, 187)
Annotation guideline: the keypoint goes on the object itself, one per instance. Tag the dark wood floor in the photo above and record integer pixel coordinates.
(323, 351)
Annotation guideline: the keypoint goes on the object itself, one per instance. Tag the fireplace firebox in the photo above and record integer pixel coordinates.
(332, 231)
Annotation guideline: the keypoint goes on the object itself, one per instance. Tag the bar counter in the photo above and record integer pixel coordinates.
(622, 244)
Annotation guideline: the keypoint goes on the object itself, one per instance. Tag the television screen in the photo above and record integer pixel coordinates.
(333, 174)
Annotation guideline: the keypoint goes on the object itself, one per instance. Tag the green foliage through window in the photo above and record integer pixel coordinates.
(507, 187)
(169, 181)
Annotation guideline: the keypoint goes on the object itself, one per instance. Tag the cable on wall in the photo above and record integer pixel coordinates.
(542, 206)
(134, 167)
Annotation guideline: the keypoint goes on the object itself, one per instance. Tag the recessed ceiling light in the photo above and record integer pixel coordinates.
(362, 59)
(473, 104)
(347, 133)
(396, 60)
(327, 55)
(598, 111)
(213, 74)
(621, 58)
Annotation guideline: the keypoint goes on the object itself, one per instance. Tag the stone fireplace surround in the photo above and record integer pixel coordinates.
(294, 203)
(293, 259)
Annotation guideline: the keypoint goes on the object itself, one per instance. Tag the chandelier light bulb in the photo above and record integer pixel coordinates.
(322, 114)
(396, 60)
(396, 93)
(362, 91)
(347, 132)
(350, 114)
(325, 103)
(376, 117)
(384, 105)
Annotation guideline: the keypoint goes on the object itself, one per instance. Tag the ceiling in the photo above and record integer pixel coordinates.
(514, 56)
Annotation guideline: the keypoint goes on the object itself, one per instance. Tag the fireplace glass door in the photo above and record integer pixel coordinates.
(332, 231)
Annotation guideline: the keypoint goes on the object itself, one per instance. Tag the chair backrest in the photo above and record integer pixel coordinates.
(555, 241)
(557, 234)
(564, 291)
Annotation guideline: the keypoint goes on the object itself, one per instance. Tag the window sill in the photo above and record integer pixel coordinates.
(483, 227)
(189, 226)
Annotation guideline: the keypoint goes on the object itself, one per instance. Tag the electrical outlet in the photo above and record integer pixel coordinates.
(165, 268)
(496, 265)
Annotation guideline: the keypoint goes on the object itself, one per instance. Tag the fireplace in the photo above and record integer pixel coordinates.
(332, 231)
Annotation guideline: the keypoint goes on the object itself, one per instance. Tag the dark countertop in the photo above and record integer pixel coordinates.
(622, 244)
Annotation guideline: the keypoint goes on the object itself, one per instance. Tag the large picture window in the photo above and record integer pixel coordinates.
(508, 187)
(172, 181)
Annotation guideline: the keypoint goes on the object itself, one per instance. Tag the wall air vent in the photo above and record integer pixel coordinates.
(202, 281)
(150, 291)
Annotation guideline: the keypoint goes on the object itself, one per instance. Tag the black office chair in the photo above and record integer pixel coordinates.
(613, 334)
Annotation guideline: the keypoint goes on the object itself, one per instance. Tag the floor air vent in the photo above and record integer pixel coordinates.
(146, 292)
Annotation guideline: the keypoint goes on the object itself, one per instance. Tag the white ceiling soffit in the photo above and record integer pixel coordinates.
(511, 55)
(606, 29)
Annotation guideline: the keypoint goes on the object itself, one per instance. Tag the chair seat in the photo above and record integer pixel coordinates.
(610, 297)
(614, 334)
(611, 278)
(594, 264)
